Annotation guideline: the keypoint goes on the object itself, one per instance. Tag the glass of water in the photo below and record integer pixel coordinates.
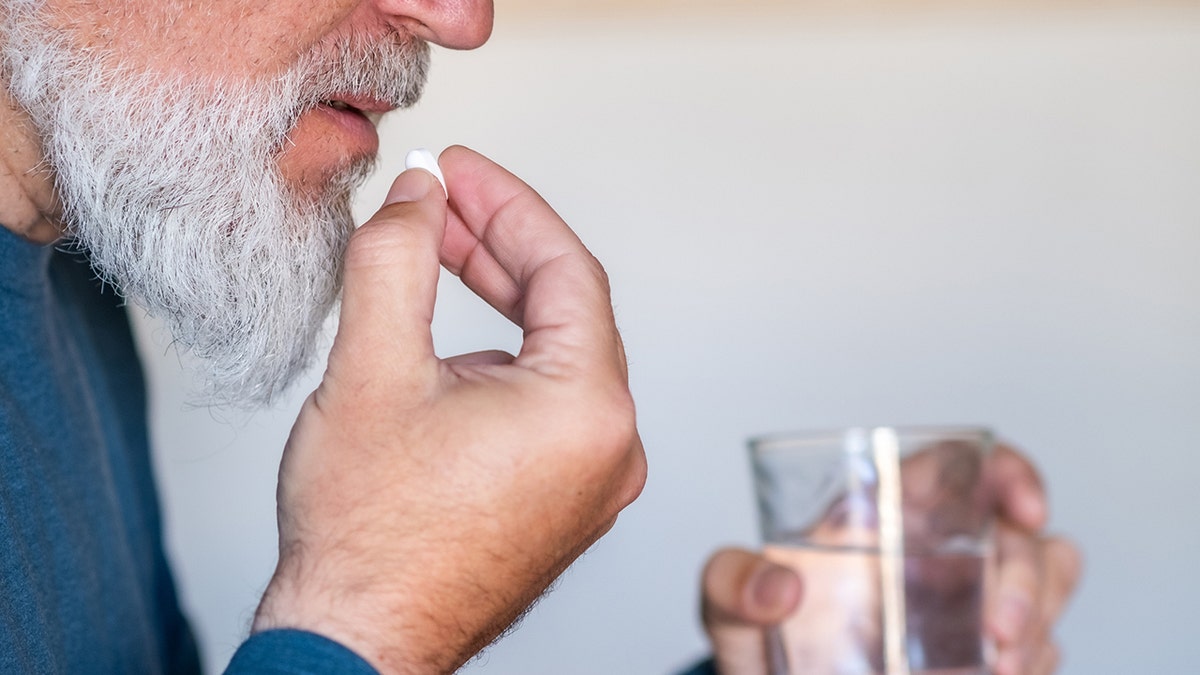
(890, 529)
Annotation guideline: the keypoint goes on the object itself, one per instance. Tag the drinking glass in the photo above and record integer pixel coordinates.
(890, 529)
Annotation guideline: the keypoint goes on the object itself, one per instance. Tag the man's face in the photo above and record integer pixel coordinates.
(205, 150)
(257, 39)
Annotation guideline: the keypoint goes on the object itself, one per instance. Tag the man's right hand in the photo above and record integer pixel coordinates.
(424, 503)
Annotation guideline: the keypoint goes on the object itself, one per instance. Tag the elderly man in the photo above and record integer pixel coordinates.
(198, 158)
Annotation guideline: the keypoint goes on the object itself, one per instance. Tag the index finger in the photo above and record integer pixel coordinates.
(510, 247)
(1017, 487)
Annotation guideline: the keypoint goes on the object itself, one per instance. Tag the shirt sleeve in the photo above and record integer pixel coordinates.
(295, 652)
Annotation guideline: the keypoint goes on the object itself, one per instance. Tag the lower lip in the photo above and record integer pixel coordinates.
(356, 133)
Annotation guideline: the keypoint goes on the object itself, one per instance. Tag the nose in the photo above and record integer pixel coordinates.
(456, 24)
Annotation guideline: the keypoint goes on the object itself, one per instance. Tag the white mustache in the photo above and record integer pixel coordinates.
(391, 70)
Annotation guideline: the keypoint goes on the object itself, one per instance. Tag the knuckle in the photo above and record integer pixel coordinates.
(612, 421)
(635, 479)
(383, 237)
(725, 574)
(709, 576)
(1070, 562)
(614, 448)
(394, 212)
(601, 274)
(368, 243)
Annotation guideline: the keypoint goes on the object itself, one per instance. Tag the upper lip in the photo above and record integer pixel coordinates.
(362, 103)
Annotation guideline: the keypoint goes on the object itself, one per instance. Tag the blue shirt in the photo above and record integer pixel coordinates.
(84, 583)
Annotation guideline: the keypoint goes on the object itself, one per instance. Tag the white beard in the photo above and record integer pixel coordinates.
(173, 188)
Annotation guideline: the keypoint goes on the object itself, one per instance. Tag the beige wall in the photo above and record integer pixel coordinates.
(818, 219)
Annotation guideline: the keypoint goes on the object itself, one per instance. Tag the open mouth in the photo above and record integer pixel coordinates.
(366, 107)
(337, 125)
(345, 108)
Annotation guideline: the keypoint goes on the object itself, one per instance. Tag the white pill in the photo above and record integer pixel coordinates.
(422, 158)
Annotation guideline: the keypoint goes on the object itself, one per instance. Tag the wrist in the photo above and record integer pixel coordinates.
(396, 631)
(292, 604)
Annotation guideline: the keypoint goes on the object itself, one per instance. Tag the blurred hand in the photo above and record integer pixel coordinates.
(1036, 574)
(424, 503)
(743, 594)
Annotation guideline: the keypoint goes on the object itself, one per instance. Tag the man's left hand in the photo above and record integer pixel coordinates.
(1036, 574)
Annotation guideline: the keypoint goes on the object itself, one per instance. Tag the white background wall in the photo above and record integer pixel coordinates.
(819, 219)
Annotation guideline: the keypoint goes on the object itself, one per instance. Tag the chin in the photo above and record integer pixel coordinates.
(318, 182)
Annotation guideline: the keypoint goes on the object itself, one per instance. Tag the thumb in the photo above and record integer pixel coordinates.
(390, 284)
(743, 594)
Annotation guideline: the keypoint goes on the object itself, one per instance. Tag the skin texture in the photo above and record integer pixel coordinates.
(28, 205)
(744, 593)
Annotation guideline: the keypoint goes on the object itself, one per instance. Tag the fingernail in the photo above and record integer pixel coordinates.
(772, 586)
(421, 158)
(1011, 615)
(410, 186)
